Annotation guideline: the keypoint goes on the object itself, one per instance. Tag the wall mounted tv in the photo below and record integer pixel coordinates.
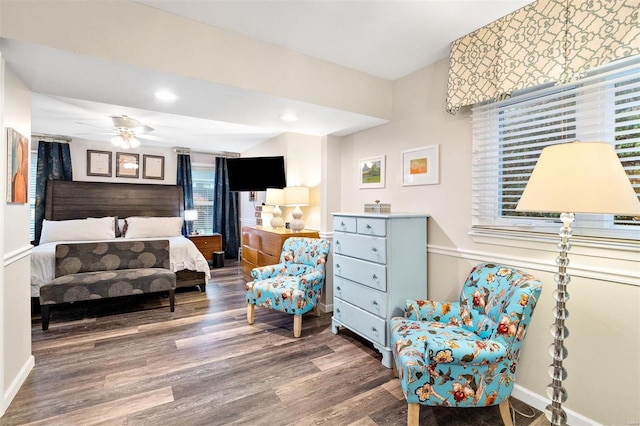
(256, 173)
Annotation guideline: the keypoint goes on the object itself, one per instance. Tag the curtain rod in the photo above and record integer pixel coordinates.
(51, 138)
(226, 154)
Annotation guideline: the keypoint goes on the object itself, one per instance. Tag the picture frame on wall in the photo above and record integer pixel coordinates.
(371, 172)
(127, 165)
(99, 163)
(17, 167)
(153, 167)
(420, 166)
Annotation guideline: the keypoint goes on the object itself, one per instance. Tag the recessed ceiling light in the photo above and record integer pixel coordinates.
(166, 96)
(289, 117)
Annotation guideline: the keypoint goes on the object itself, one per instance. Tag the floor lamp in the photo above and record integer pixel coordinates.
(576, 177)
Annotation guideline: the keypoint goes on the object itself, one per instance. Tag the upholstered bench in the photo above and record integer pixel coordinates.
(87, 271)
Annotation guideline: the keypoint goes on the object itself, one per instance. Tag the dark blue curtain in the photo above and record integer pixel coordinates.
(225, 211)
(54, 163)
(184, 180)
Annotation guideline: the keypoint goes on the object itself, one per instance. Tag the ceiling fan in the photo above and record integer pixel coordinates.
(126, 131)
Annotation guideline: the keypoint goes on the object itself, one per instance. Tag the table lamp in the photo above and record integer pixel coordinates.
(296, 196)
(275, 198)
(190, 216)
(576, 177)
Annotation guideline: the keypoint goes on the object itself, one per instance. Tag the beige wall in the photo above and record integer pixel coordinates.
(15, 310)
(604, 350)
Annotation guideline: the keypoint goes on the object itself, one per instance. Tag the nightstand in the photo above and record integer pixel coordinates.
(207, 244)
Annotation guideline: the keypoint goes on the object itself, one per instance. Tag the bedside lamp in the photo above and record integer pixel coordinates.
(296, 196)
(190, 216)
(275, 198)
(577, 177)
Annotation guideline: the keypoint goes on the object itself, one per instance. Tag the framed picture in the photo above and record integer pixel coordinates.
(18, 167)
(153, 167)
(98, 163)
(420, 166)
(371, 172)
(127, 165)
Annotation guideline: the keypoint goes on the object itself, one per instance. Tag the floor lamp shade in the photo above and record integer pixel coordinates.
(580, 177)
(576, 177)
(275, 198)
(296, 196)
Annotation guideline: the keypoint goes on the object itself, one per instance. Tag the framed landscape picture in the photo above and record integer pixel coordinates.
(371, 172)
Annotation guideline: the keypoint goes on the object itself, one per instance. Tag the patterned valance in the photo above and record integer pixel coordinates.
(545, 41)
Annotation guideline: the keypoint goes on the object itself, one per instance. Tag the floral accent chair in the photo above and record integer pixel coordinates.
(295, 284)
(465, 353)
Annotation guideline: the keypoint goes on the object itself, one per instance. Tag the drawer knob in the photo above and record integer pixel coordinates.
(374, 330)
(337, 265)
(374, 250)
(368, 226)
(338, 288)
(338, 311)
(374, 277)
(375, 305)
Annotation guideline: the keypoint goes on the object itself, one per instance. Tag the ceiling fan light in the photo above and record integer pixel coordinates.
(133, 142)
(117, 140)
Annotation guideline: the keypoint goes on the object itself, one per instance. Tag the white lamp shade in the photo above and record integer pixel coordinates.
(579, 177)
(274, 197)
(191, 215)
(296, 196)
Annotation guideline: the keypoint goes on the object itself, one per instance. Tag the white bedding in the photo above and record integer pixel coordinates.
(184, 255)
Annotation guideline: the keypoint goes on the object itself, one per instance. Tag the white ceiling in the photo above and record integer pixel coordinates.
(388, 39)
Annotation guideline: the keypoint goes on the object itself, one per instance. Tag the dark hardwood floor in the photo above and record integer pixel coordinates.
(131, 361)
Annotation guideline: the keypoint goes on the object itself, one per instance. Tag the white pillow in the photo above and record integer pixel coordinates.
(145, 227)
(78, 230)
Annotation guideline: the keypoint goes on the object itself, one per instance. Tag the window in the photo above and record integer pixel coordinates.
(203, 182)
(508, 137)
(33, 170)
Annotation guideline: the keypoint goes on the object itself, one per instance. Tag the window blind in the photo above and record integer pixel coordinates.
(508, 137)
(203, 184)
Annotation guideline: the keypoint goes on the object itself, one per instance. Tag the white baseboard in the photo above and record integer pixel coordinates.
(538, 402)
(13, 389)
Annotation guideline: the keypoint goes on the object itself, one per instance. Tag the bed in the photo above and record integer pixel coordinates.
(70, 200)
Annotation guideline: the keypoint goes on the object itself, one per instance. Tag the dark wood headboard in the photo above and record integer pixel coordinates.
(79, 200)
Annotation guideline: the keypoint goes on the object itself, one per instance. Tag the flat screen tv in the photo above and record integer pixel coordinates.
(256, 173)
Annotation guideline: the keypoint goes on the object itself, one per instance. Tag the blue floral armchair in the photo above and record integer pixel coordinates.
(465, 353)
(295, 284)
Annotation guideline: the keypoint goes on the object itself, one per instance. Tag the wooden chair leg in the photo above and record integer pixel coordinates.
(250, 312)
(297, 325)
(316, 311)
(395, 369)
(505, 413)
(172, 300)
(413, 414)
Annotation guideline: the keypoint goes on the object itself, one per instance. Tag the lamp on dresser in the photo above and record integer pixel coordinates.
(296, 196)
(275, 198)
(576, 177)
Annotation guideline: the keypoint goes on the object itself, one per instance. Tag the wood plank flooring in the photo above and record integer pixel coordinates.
(131, 361)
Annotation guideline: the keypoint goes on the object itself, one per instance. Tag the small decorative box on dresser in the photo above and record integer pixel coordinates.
(207, 243)
(379, 261)
(262, 246)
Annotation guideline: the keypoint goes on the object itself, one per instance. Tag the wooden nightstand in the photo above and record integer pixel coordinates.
(207, 244)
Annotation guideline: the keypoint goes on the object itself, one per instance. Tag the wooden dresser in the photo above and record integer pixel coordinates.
(262, 246)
